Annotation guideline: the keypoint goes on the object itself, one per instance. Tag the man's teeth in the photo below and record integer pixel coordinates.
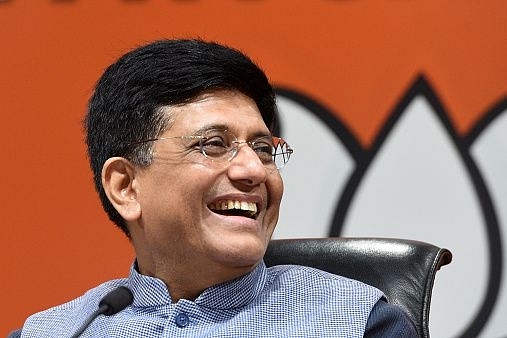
(250, 207)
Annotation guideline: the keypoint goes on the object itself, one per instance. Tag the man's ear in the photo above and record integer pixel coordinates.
(118, 180)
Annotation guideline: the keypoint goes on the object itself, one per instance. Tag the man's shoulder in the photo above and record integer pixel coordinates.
(301, 274)
(60, 318)
(90, 297)
(314, 281)
(338, 305)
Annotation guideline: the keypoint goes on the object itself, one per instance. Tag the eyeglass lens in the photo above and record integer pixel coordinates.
(222, 145)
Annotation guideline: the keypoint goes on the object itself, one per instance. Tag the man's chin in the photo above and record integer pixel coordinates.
(245, 253)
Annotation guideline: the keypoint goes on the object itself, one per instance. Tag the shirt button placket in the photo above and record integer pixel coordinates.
(182, 320)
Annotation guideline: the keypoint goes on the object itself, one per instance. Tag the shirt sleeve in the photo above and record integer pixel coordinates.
(387, 320)
(15, 334)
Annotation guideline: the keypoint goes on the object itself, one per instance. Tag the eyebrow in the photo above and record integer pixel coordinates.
(221, 126)
(209, 127)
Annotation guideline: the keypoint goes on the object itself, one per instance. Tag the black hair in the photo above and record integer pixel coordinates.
(127, 103)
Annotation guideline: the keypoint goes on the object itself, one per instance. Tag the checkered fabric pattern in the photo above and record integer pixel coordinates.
(280, 301)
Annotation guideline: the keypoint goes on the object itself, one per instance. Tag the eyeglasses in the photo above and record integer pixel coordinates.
(222, 146)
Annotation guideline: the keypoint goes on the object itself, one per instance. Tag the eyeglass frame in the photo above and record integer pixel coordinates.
(233, 148)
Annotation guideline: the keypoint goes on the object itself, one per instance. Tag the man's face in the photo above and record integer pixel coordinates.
(181, 191)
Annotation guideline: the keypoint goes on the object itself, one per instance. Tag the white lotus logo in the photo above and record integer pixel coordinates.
(419, 180)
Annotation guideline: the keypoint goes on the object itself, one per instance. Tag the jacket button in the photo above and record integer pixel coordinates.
(182, 320)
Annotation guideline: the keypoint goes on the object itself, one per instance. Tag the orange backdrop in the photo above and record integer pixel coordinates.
(357, 57)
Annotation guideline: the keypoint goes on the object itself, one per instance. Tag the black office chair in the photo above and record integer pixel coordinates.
(403, 269)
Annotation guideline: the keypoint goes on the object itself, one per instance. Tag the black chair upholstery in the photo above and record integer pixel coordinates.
(403, 269)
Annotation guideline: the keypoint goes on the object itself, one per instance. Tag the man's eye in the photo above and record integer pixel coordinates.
(215, 141)
(214, 146)
(264, 150)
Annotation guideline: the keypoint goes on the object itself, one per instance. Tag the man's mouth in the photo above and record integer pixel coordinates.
(234, 208)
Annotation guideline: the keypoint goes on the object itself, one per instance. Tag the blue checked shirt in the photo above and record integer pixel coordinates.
(280, 301)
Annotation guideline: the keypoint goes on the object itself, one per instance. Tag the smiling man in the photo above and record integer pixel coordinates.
(179, 135)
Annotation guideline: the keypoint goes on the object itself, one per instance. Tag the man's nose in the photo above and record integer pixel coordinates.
(246, 166)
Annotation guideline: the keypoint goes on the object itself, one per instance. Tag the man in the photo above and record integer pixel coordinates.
(179, 135)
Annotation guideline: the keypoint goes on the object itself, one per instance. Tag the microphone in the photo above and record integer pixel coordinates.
(112, 303)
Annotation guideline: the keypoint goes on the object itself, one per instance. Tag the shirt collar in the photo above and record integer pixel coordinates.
(235, 293)
(151, 291)
(147, 291)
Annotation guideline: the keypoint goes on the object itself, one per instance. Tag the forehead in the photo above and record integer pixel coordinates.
(235, 111)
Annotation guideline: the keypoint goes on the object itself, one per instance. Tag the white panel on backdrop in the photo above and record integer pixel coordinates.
(490, 152)
(417, 187)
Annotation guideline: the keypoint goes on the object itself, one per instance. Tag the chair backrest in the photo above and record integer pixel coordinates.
(403, 269)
